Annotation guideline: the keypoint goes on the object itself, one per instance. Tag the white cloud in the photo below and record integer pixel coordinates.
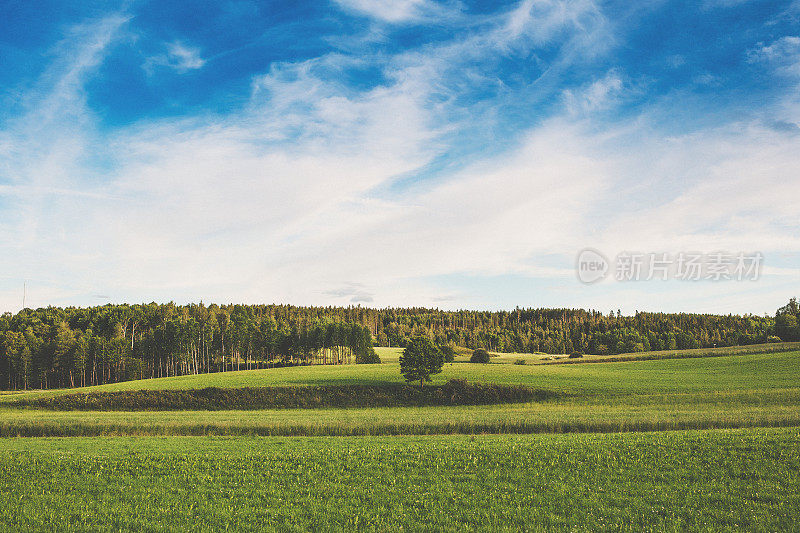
(722, 188)
(782, 54)
(540, 20)
(597, 96)
(287, 200)
(179, 57)
(396, 11)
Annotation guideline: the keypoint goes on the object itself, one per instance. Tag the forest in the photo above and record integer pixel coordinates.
(69, 347)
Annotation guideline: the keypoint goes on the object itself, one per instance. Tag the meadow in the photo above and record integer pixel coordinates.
(721, 373)
(754, 390)
(655, 444)
(723, 480)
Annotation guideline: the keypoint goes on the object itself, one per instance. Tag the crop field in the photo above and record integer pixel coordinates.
(643, 413)
(593, 453)
(722, 480)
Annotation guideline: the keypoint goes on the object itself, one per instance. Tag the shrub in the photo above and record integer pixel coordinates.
(773, 338)
(448, 352)
(519, 362)
(479, 356)
(575, 355)
(454, 392)
(368, 358)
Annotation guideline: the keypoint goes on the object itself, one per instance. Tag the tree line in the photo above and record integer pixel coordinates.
(569, 330)
(55, 347)
(64, 347)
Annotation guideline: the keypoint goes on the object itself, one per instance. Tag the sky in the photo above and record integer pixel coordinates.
(397, 152)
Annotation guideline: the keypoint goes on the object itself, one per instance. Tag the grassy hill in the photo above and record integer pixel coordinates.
(723, 373)
(726, 391)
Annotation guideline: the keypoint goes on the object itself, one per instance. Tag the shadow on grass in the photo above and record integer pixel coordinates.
(454, 392)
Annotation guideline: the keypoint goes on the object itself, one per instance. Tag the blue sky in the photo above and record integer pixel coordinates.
(406, 152)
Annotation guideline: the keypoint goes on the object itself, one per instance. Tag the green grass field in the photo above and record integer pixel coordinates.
(638, 413)
(594, 456)
(742, 372)
(734, 391)
(691, 481)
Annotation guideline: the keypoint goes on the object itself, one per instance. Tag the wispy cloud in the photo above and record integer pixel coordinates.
(399, 11)
(355, 292)
(782, 54)
(320, 190)
(177, 56)
(599, 95)
(45, 150)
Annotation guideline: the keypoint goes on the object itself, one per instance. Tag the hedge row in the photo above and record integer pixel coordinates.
(454, 392)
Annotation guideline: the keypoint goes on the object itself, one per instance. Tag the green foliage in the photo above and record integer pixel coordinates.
(454, 392)
(74, 347)
(367, 357)
(448, 352)
(787, 321)
(575, 355)
(520, 362)
(420, 360)
(479, 356)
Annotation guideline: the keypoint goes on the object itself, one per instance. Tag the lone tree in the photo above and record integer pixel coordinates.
(420, 360)
(479, 356)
